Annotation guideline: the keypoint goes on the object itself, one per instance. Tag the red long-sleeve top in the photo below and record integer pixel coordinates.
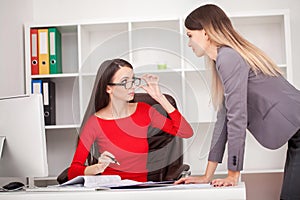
(126, 139)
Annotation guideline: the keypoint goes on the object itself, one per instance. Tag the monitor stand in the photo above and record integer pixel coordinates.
(30, 182)
(2, 139)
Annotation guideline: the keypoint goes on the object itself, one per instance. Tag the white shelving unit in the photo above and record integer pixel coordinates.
(146, 43)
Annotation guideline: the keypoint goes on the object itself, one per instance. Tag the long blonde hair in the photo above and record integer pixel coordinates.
(219, 29)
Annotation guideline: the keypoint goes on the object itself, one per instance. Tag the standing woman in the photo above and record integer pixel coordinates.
(249, 92)
(119, 127)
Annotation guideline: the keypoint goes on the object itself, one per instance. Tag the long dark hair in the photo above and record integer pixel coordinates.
(99, 97)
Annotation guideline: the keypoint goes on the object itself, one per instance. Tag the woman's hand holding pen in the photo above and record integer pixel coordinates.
(103, 162)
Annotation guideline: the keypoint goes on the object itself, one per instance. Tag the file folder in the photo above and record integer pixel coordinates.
(43, 51)
(55, 51)
(49, 102)
(34, 51)
(47, 88)
(36, 86)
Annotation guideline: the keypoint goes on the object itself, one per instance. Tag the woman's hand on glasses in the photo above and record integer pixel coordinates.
(152, 86)
(153, 89)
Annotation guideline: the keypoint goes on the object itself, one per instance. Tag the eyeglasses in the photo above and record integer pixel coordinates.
(128, 84)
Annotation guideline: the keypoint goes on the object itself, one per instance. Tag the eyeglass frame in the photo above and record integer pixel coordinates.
(125, 82)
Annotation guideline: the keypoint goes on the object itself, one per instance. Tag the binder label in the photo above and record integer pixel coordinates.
(46, 94)
(44, 41)
(36, 88)
(52, 43)
(34, 45)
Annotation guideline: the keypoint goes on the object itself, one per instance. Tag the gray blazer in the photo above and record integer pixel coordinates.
(269, 107)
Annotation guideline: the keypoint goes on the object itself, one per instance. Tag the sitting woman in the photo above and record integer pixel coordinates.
(120, 128)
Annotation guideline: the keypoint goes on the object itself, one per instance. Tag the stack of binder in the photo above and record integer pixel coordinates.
(45, 49)
(47, 88)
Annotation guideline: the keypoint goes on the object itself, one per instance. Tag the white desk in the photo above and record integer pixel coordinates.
(236, 193)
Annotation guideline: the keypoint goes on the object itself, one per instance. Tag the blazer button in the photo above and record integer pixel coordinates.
(234, 160)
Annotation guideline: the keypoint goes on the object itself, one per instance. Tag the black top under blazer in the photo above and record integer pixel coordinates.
(269, 107)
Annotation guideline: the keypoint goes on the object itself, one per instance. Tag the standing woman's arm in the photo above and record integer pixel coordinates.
(233, 71)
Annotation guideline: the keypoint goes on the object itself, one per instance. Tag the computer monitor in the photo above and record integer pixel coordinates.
(24, 151)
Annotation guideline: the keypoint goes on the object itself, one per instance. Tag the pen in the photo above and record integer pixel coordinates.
(113, 159)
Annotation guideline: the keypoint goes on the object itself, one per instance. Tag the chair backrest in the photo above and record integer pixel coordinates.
(165, 158)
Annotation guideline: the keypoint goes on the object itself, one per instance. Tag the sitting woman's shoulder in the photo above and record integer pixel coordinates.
(143, 106)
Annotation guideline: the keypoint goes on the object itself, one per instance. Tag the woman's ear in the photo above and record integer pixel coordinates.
(108, 89)
(205, 34)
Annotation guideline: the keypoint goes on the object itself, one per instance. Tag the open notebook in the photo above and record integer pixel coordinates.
(100, 181)
(112, 182)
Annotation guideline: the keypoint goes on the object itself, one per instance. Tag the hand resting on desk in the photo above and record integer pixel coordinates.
(228, 181)
(193, 179)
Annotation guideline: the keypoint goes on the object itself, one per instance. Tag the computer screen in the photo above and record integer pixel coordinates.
(24, 151)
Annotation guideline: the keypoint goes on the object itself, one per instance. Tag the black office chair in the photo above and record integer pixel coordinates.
(165, 158)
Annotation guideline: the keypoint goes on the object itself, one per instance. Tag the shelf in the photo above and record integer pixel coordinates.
(154, 70)
(70, 126)
(64, 75)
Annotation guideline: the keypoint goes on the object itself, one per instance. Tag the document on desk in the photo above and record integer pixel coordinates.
(87, 183)
(107, 182)
(115, 182)
(58, 188)
(112, 182)
(100, 181)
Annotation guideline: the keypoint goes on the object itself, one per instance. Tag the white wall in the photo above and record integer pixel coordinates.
(113, 9)
(13, 14)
